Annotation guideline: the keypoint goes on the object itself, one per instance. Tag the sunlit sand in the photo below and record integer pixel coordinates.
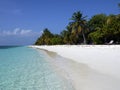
(87, 67)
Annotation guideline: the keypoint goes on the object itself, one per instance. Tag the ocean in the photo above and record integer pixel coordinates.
(23, 68)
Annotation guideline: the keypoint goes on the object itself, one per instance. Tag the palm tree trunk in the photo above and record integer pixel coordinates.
(84, 39)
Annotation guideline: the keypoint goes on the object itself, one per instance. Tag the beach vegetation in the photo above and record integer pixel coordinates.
(99, 29)
(78, 25)
(105, 31)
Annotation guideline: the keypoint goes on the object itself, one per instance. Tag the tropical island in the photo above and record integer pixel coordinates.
(92, 62)
(74, 52)
(100, 29)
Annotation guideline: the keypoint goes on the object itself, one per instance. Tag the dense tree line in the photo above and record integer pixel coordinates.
(100, 29)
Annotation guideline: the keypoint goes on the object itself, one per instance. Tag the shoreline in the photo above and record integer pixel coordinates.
(82, 76)
(103, 58)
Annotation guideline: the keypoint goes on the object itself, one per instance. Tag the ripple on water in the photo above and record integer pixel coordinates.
(23, 68)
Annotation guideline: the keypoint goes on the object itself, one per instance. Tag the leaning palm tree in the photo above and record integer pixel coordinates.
(78, 25)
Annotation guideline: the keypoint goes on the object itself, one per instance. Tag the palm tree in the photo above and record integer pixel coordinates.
(78, 25)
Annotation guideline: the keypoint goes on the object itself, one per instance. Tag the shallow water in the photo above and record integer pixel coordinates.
(82, 76)
(23, 68)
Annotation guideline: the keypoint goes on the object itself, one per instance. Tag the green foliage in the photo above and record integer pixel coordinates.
(97, 21)
(56, 41)
(100, 29)
(45, 38)
(78, 25)
(96, 37)
(108, 30)
(66, 36)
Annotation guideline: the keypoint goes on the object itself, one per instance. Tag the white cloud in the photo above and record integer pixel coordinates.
(18, 36)
(25, 31)
(16, 31)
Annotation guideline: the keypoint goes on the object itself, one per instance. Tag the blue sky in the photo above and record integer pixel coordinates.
(21, 21)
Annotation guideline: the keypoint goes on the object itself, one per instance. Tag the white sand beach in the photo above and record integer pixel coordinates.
(92, 67)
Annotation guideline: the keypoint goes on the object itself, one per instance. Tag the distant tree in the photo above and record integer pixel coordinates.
(65, 36)
(78, 25)
(100, 29)
(97, 36)
(97, 21)
(45, 38)
(56, 40)
(106, 31)
(47, 33)
(112, 28)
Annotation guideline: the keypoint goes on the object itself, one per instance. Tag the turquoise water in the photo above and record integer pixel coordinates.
(23, 68)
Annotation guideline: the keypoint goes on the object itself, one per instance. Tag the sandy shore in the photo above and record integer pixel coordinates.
(98, 67)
